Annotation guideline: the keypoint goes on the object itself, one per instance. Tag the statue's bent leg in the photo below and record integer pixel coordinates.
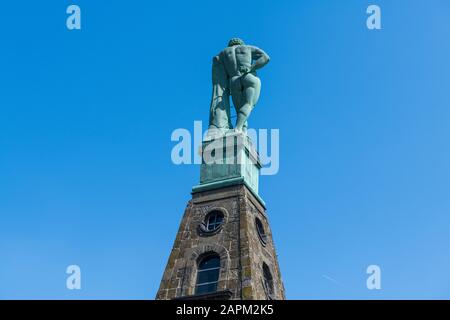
(250, 96)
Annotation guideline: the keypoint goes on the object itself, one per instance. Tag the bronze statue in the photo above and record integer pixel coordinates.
(234, 73)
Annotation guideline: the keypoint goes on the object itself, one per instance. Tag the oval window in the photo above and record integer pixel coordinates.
(212, 223)
(261, 232)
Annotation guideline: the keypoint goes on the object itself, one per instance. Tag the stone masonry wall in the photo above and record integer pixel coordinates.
(237, 242)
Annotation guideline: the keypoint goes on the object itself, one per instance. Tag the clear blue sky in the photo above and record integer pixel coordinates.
(85, 171)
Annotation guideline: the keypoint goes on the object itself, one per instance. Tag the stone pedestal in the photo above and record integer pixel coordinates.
(229, 160)
(243, 241)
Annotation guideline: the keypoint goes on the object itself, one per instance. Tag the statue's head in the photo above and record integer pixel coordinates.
(235, 42)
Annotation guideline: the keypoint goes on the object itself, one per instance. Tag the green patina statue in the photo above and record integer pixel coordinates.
(234, 73)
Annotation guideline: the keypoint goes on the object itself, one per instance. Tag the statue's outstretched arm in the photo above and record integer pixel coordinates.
(260, 57)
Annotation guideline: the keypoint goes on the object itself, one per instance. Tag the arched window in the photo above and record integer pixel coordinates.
(261, 232)
(208, 274)
(213, 220)
(268, 281)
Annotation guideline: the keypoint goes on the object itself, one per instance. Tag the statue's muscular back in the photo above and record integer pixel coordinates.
(236, 57)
